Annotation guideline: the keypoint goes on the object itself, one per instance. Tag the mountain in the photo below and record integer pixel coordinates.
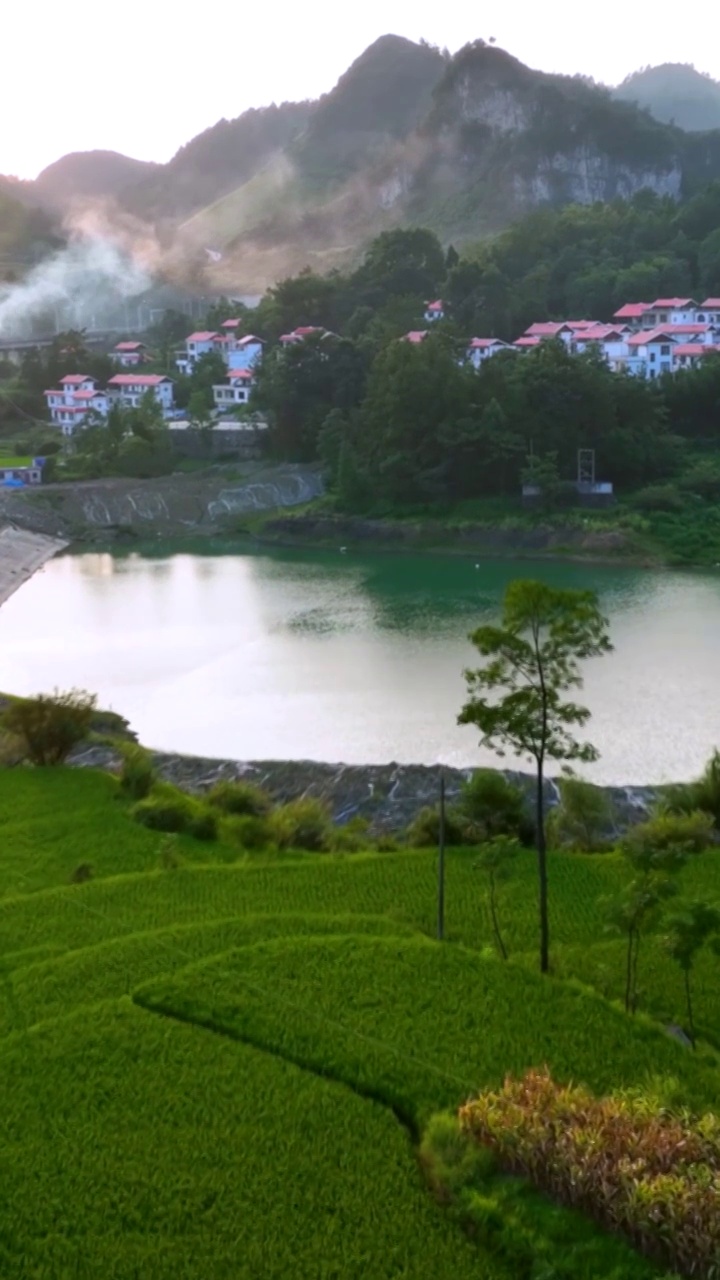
(408, 135)
(216, 161)
(88, 175)
(675, 93)
(485, 139)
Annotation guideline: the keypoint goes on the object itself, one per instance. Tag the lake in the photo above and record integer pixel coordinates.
(353, 657)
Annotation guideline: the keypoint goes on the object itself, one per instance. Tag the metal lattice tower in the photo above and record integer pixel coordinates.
(586, 467)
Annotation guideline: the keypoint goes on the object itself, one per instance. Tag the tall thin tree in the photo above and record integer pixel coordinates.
(516, 698)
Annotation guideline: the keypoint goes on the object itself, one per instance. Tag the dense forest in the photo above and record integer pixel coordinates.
(401, 423)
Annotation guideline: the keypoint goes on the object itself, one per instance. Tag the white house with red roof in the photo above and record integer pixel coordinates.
(480, 349)
(128, 389)
(688, 355)
(301, 333)
(436, 310)
(632, 313)
(245, 352)
(129, 354)
(710, 310)
(416, 336)
(199, 344)
(670, 311)
(235, 390)
(71, 402)
(611, 341)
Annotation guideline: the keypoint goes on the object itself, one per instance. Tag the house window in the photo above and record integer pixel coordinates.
(663, 319)
(665, 350)
(652, 357)
(701, 319)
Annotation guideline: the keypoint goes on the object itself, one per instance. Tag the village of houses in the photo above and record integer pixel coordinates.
(644, 339)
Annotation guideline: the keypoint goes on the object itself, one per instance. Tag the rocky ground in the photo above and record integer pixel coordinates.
(206, 502)
(21, 554)
(388, 795)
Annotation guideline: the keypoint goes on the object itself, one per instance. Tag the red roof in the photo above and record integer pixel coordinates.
(694, 348)
(130, 346)
(631, 311)
(600, 333)
(76, 378)
(203, 335)
(671, 302)
(527, 341)
(303, 330)
(479, 344)
(438, 305)
(235, 375)
(581, 324)
(137, 379)
(415, 335)
(87, 395)
(250, 338)
(711, 302)
(544, 328)
(230, 324)
(651, 335)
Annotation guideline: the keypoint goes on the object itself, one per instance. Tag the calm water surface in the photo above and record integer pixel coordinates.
(353, 657)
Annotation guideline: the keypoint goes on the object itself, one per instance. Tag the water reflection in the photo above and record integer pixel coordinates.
(332, 656)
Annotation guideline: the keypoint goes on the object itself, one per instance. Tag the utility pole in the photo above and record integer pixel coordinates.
(441, 863)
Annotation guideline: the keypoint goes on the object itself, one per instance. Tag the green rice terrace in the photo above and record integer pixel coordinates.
(223, 1062)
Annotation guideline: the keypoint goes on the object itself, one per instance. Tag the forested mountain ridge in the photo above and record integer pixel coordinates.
(409, 135)
(675, 93)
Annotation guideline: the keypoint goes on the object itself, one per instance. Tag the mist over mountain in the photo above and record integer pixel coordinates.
(409, 135)
(675, 93)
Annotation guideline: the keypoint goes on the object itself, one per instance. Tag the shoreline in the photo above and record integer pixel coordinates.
(22, 553)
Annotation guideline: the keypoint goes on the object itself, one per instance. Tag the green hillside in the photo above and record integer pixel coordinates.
(218, 1063)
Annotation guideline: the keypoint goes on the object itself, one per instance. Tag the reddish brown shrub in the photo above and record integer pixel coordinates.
(633, 1166)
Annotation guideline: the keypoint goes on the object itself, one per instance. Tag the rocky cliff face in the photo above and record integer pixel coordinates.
(172, 505)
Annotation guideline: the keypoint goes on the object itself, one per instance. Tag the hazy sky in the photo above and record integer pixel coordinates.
(144, 76)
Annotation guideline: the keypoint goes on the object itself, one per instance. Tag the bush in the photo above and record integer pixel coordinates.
(684, 832)
(247, 831)
(702, 794)
(492, 806)
(164, 813)
(82, 873)
(203, 825)
(240, 798)
(583, 818)
(51, 724)
(659, 497)
(136, 776)
(424, 830)
(351, 837)
(634, 1166)
(302, 824)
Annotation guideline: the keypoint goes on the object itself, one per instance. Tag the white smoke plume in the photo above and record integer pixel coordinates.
(74, 287)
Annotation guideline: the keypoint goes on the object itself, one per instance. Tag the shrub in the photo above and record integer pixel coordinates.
(302, 824)
(583, 818)
(202, 824)
(164, 813)
(240, 798)
(492, 806)
(247, 831)
(703, 794)
(82, 873)
(169, 855)
(51, 724)
(634, 1166)
(658, 497)
(424, 830)
(136, 776)
(668, 831)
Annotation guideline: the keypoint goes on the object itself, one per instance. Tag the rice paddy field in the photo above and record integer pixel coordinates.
(221, 1065)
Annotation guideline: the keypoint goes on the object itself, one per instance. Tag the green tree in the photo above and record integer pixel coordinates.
(689, 929)
(516, 698)
(639, 904)
(495, 861)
